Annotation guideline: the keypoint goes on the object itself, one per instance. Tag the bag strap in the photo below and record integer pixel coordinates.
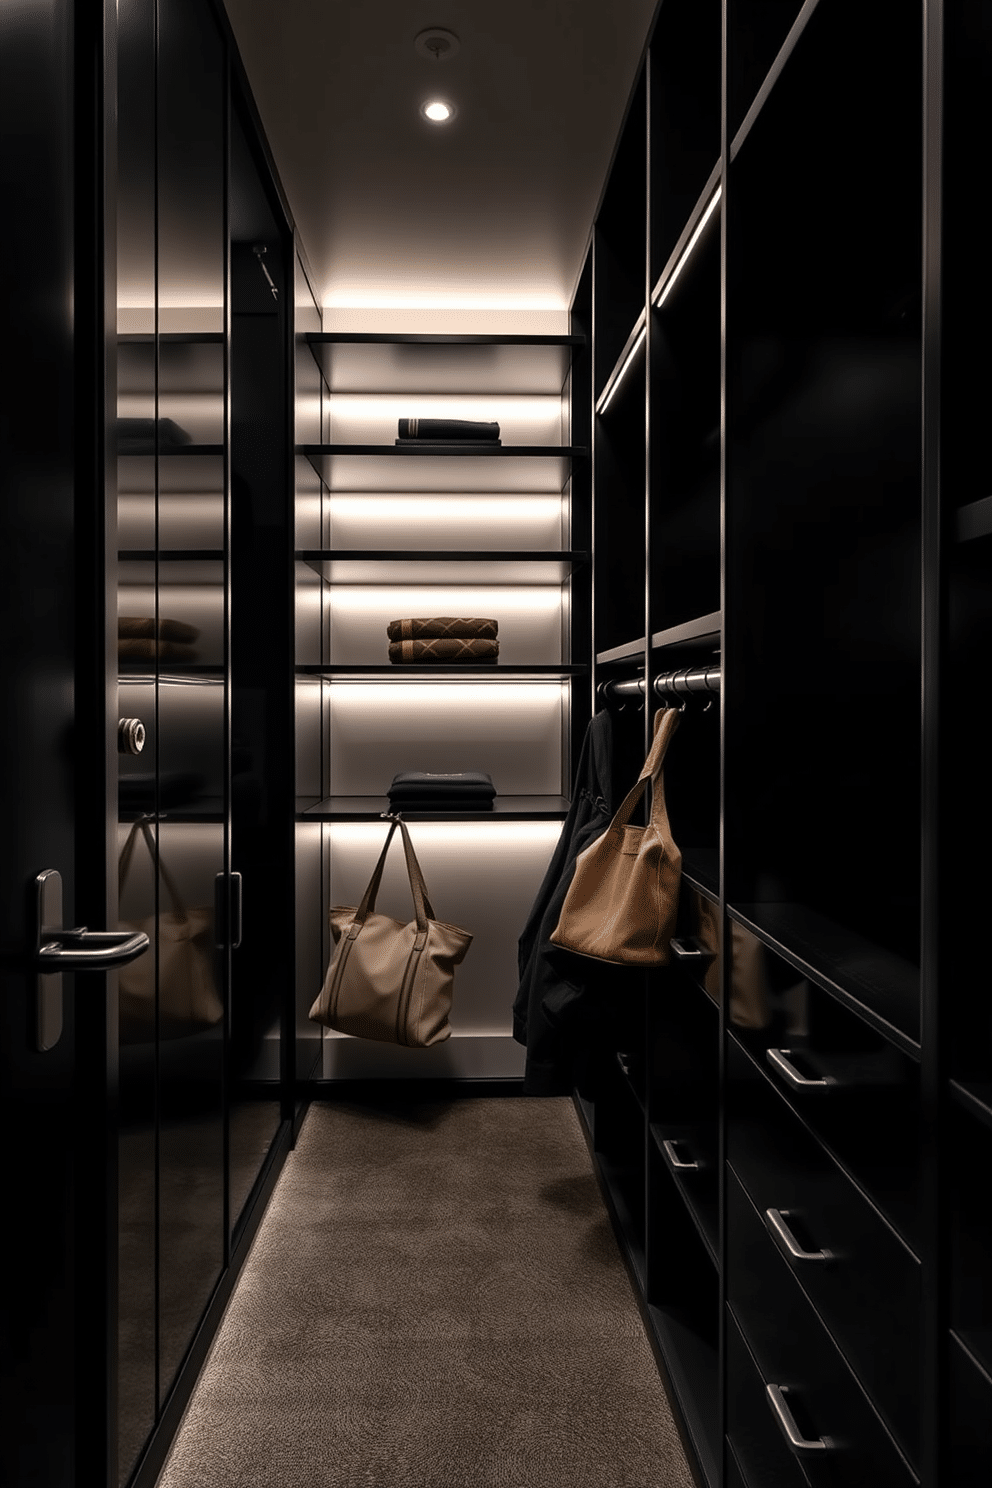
(124, 861)
(422, 904)
(124, 864)
(417, 884)
(666, 721)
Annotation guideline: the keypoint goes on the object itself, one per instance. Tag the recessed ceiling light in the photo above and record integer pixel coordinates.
(437, 110)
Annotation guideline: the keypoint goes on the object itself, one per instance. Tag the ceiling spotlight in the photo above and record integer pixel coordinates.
(437, 111)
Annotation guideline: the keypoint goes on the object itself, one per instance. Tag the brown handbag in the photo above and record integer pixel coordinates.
(388, 981)
(183, 948)
(622, 901)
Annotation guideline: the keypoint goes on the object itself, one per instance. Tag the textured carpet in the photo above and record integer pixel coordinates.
(434, 1300)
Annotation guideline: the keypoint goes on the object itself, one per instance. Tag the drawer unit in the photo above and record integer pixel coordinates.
(691, 1164)
(858, 1093)
(822, 1414)
(970, 1162)
(684, 1038)
(733, 1477)
(860, 1277)
(763, 1456)
(970, 1411)
(697, 948)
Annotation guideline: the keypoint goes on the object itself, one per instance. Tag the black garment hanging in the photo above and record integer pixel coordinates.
(547, 1005)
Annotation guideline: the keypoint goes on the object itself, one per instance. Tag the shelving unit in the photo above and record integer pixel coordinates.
(786, 301)
(384, 533)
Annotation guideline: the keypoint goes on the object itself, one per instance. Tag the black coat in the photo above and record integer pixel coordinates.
(547, 1012)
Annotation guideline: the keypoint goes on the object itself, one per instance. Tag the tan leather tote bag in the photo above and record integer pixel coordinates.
(388, 981)
(622, 901)
(183, 942)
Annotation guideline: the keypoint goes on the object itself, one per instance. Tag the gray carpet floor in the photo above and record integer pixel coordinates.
(435, 1299)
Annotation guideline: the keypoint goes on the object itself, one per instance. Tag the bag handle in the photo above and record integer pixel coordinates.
(422, 904)
(124, 864)
(666, 721)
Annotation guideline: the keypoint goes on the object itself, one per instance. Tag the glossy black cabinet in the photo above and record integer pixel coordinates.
(204, 648)
(790, 513)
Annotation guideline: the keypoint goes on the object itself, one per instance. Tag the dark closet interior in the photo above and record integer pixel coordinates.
(757, 490)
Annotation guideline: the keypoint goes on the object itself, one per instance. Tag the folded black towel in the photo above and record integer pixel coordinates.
(429, 785)
(450, 446)
(146, 627)
(444, 803)
(175, 788)
(136, 436)
(445, 429)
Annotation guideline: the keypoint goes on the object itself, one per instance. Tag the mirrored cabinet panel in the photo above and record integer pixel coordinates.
(202, 388)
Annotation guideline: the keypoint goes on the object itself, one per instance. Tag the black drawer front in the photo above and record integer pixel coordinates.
(702, 940)
(861, 1101)
(765, 1459)
(733, 1478)
(868, 1292)
(970, 1405)
(792, 1349)
(684, 1063)
(676, 1150)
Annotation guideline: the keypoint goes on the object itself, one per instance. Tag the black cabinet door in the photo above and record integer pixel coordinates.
(54, 759)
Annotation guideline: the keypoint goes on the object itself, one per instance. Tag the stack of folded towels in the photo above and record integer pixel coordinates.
(442, 639)
(469, 434)
(142, 638)
(420, 790)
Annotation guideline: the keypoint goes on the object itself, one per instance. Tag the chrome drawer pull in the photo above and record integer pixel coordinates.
(779, 1061)
(801, 1445)
(786, 1240)
(688, 951)
(675, 1162)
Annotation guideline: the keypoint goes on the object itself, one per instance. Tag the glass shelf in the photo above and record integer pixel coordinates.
(881, 987)
(633, 348)
(705, 630)
(172, 338)
(170, 451)
(523, 467)
(443, 364)
(629, 651)
(974, 520)
(171, 555)
(475, 671)
(975, 1097)
(371, 808)
(194, 674)
(371, 566)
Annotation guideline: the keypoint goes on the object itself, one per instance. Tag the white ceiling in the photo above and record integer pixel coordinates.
(488, 212)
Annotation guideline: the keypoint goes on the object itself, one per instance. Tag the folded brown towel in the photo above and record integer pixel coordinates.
(142, 627)
(442, 627)
(450, 649)
(129, 649)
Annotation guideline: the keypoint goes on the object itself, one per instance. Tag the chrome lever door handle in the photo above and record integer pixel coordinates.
(780, 1061)
(775, 1222)
(89, 950)
(56, 950)
(803, 1446)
